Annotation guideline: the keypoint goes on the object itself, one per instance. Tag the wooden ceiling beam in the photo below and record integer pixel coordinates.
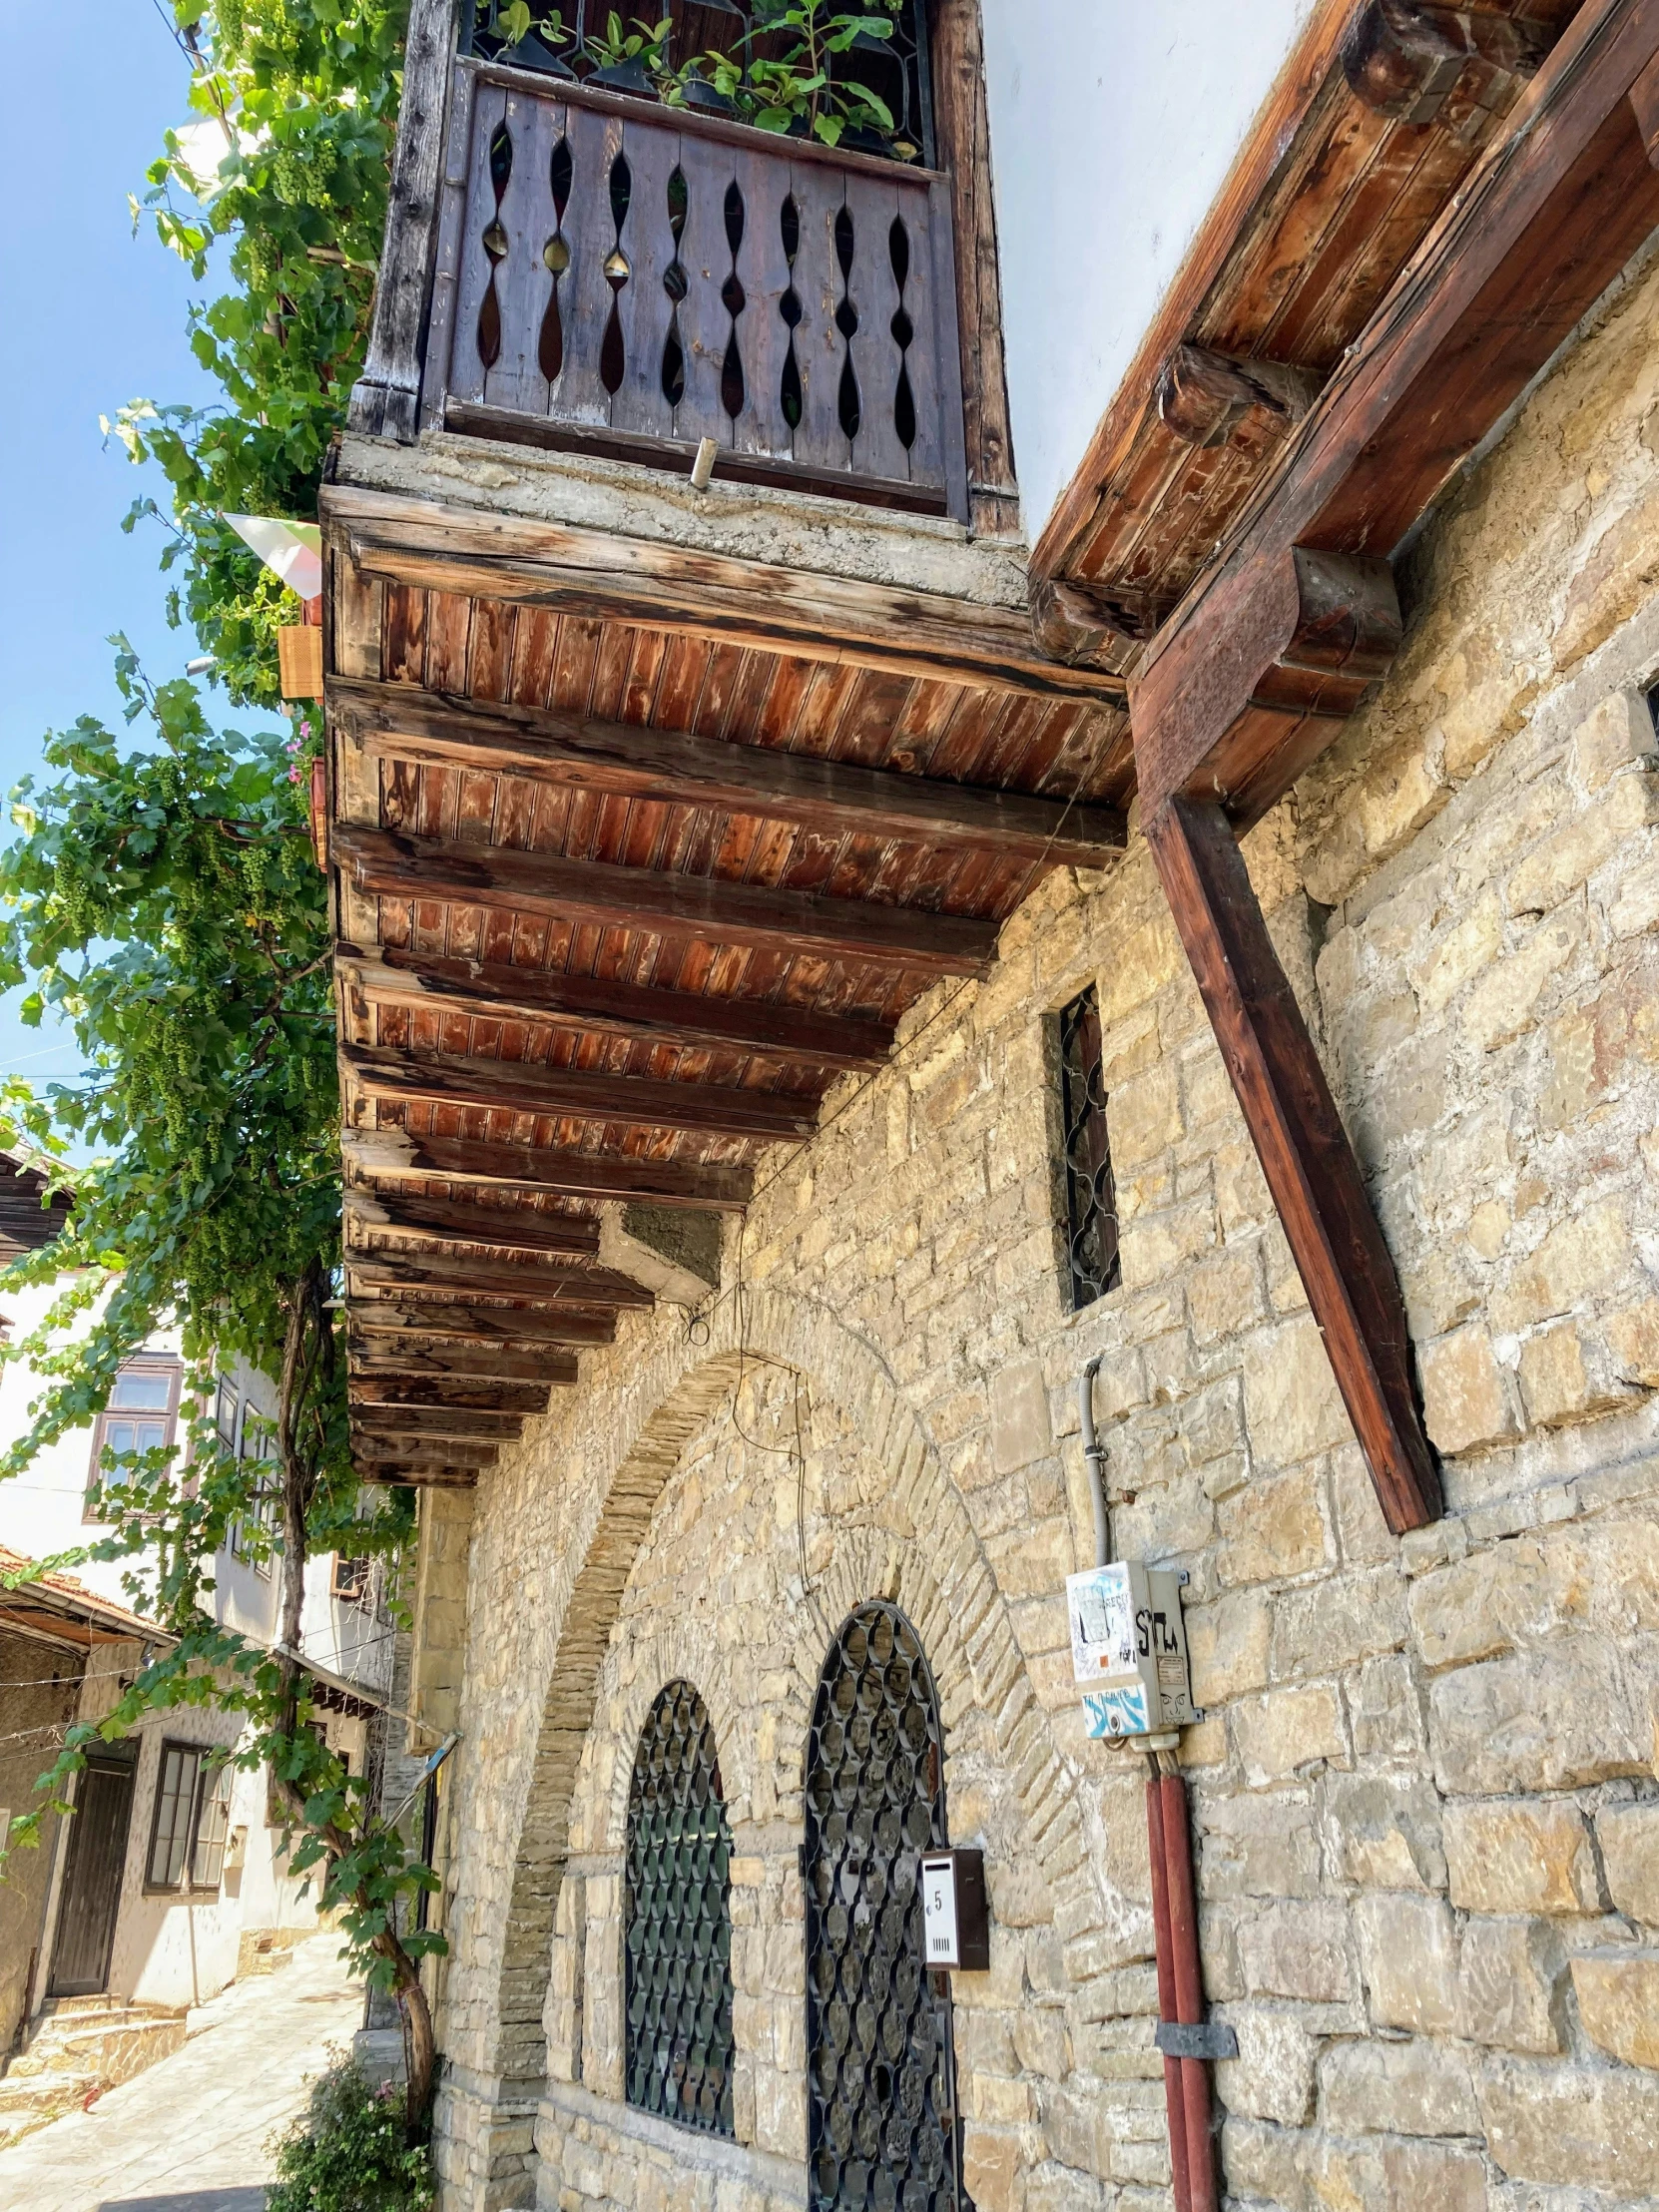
(1410, 61)
(577, 1094)
(461, 1424)
(1549, 218)
(442, 1221)
(417, 1451)
(708, 910)
(390, 1153)
(654, 586)
(389, 1324)
(395, 1476)
(491, 991)
(673, 768)
(465, 1270)
(445, 1395)
(1203, 395)
(406, 1361)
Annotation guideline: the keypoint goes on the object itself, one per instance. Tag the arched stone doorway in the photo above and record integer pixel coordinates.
(882, 2130)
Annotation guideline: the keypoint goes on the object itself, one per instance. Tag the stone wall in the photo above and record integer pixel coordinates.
(1426, 1797)
(40, 1689)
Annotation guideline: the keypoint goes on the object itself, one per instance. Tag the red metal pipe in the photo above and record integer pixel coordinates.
(1204, 2193)
(1166, 1991)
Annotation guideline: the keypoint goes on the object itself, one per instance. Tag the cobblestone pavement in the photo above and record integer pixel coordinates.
(190, 2134)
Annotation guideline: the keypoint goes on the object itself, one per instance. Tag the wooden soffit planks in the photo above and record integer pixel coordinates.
(837, 620)
(1381, 113)
(1228, 705)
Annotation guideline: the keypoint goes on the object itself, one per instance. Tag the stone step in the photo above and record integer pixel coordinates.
(26, 2106)
(48, 2040)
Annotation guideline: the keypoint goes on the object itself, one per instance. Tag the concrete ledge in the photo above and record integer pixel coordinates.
(791, 529)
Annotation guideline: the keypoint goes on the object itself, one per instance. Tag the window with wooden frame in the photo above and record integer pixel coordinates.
(1092, 1264)
(252, 1534)
(142, 1415)
(190, 1821)
(351, 1580)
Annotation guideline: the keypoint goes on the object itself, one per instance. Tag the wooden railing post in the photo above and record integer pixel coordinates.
(385, 399)
(1303, 1150)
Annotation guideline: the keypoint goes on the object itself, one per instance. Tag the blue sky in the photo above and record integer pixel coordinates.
(89, 316)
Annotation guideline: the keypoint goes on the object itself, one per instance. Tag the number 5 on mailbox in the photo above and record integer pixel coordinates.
(954, 1916)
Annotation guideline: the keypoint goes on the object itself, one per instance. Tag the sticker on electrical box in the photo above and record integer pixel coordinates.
(939, 1906)
(1102, 1610)
(1112, 1713)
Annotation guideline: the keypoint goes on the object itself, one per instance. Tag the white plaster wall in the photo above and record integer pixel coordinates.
(41, 1509)
(1113, 124)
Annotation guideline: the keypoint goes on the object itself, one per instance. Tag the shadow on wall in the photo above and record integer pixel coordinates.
(192, 2200)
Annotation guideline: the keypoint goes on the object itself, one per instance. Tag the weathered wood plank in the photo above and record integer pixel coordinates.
(714, 911)
(639, 1102)
(1549, 219)
(666, 587)
(391, 975)
(1305, 1154)
(384, 1322)
(681, 770)
(462, 1367)
(962, 122)
(368, 1448)
(395, 1477)
(395, 1152)
(448, 1220)
(385, 399)
(462, 1424)
(1322, 627)
(466, 1272)
(447, 1395)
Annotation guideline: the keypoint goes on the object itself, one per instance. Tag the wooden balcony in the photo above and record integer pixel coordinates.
(628, 279)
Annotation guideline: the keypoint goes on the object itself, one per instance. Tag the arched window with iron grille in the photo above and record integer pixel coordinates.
(882, 2128)
(677, 1922)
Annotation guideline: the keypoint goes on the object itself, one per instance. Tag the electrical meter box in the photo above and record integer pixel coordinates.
(1129, 1650)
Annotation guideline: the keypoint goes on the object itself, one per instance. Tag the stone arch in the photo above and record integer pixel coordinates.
(952, 1595)
(677, 1653)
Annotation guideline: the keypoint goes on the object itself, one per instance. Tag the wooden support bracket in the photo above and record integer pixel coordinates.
(1089, 627)
(1295, 650)
(1303, 1150)
(1452, 65)
(1201, 396)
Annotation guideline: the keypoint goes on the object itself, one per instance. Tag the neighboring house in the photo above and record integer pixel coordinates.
(1112, 847)
(170, 1878)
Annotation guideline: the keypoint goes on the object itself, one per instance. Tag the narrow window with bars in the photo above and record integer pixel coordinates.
(677, 1927)
(1091, 1204)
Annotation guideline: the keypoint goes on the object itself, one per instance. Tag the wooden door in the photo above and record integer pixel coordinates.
(92, 1879)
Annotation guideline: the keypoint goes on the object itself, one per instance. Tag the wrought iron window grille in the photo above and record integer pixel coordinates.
(1091, 1202)
(897, 68)
(883, 2134)
(676, 1924)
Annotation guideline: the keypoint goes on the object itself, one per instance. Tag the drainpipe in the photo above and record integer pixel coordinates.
(1094, 1457)
(1187, 2041)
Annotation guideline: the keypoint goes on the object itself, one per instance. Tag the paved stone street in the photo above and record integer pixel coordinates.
(191, 2134)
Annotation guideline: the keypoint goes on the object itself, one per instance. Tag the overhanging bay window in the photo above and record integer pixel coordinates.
(639, 250)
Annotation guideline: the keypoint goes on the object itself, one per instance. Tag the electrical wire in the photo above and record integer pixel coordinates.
(701, 1316)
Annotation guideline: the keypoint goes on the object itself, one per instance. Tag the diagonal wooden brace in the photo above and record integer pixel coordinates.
(1303, 1150)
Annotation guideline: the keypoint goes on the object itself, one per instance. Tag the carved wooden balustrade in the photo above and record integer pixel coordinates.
(631, 279)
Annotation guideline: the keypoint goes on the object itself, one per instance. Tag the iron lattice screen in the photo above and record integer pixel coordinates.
(1091, 1202)
(677, 1920)
(881, 2102)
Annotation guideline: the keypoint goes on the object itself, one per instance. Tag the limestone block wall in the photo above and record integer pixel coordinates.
(40, 1689)
(1426, 1794)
